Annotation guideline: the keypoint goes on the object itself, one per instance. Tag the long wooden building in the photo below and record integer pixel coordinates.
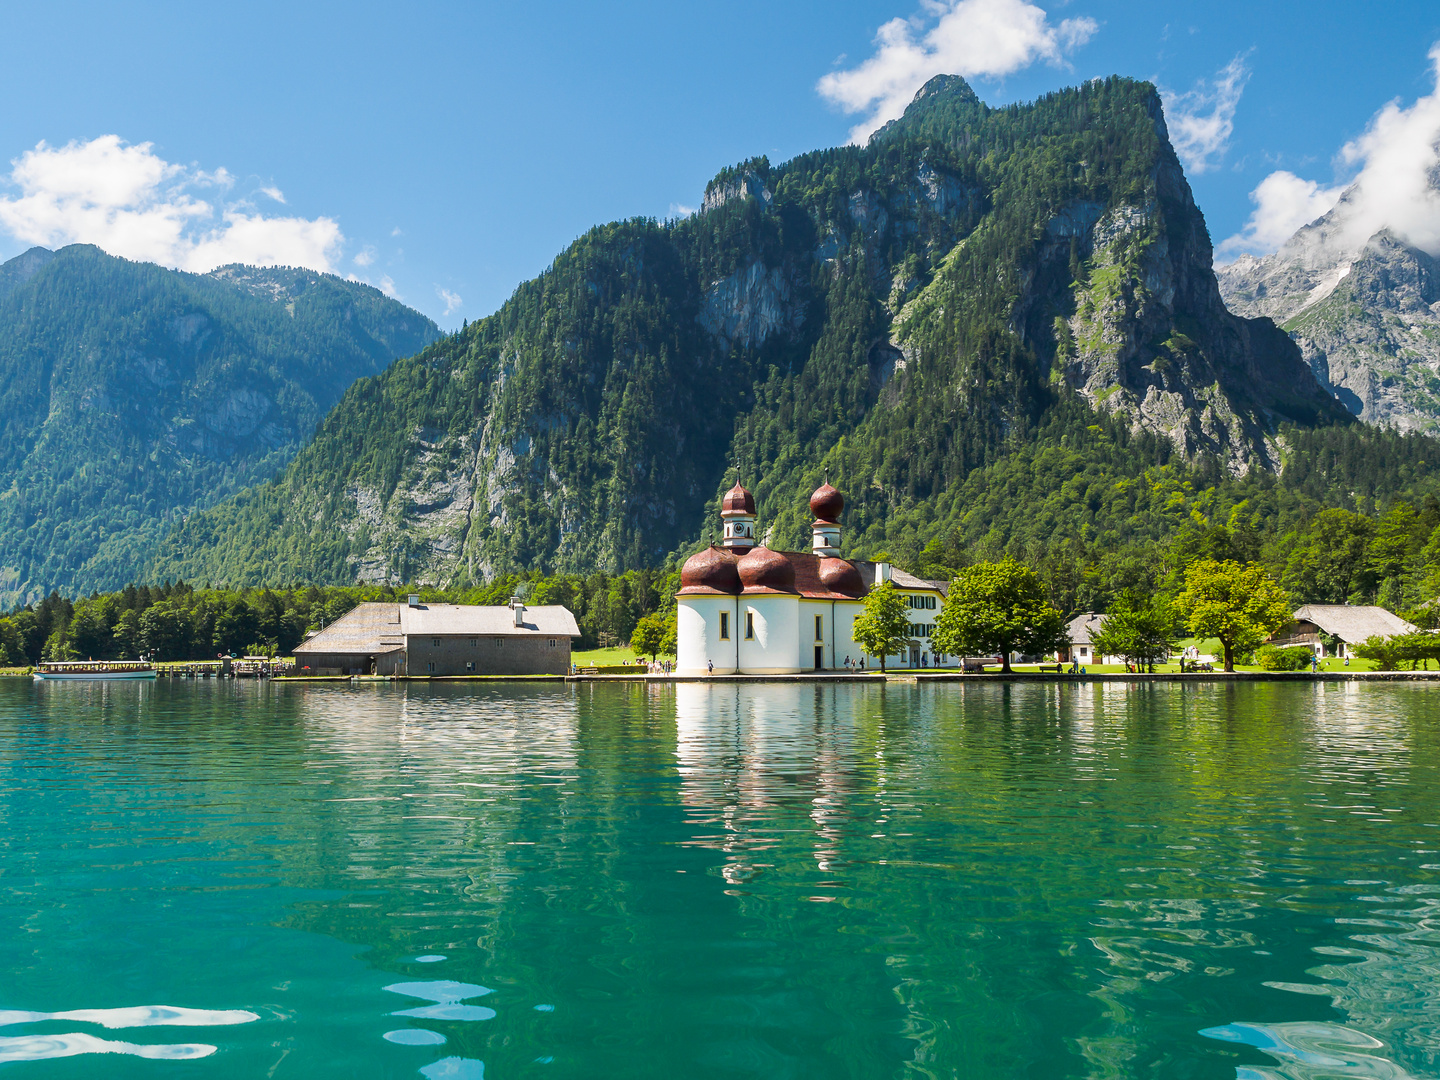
(442, 639)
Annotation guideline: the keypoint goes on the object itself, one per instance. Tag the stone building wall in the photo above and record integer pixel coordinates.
(528, 654)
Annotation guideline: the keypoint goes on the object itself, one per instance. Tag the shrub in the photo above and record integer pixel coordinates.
(1292, 658)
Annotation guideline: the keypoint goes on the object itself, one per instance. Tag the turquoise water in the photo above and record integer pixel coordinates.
(730, 881)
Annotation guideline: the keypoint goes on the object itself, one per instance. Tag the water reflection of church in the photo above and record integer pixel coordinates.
(746, 609)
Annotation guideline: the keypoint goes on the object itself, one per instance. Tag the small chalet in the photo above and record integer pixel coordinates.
(1080, 633)
(442, 639)
(1347, 624)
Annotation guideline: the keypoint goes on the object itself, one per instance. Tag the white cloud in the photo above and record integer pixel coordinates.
(387, 286)
(365, 257)
(1202, 120)
(1396, 186)
(680, 210)
(131, 202)
(396, 231)
(273, 192)
(453, 302)
(968, 38)
(1284, 203)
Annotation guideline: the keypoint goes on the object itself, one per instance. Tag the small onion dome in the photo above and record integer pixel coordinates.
(826, 504)
(710, 570)
(763, 570)
(737, 501)
(840, 576)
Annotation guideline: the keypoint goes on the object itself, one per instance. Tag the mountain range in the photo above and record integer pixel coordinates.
(901, 315)
(995, 329)
(131, 395)
(1365, 314)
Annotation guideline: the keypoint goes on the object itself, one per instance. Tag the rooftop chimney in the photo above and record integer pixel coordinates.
(882, 573)
(518, 606)
(414, 600)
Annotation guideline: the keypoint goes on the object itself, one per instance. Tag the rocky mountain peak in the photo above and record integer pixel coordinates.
(1365, 311)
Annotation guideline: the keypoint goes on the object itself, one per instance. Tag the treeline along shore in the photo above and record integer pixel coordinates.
(1386, 554)
(178, 621)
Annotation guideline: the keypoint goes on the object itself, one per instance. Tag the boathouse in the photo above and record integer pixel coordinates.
(442, 639)
(1345, 625)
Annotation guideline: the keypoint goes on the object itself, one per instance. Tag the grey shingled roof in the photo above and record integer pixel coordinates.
(1354, 624)
(901, 578)
(369, 629)
(547, 619)
(372, 629)
(1080, 628)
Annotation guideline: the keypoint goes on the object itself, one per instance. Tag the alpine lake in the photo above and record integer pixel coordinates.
(207, 879)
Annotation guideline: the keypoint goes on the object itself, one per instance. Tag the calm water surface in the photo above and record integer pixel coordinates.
(731, 881)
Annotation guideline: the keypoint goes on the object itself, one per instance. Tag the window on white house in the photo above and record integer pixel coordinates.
(819, 627)
(749, 626)
(724, 626)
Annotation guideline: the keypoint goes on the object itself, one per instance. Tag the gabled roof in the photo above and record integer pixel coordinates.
(441, 619)
(370, 628)
(1081, 628)
(1354, 624)
(901, 578)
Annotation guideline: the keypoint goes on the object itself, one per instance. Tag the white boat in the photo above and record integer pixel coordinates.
(94, 670)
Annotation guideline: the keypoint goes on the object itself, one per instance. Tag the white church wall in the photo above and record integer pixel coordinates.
(771, 648)
(698, 640)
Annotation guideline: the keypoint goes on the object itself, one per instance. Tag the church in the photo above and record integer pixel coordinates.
(747, 610)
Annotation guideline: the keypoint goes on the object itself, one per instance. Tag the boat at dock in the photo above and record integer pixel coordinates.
(93, 670)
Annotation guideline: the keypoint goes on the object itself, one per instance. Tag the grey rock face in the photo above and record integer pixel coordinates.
(749, 305)
(1149, 338)
(1367, 321)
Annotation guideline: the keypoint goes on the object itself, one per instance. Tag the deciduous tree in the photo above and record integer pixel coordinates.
(883, 627)
(1138, 627)
(1238, 603)
(998, 608)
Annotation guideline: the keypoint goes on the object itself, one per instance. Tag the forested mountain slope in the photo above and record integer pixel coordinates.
(903, 314)
(130, 394)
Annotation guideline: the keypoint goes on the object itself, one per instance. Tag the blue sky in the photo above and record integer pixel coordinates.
(448, 151)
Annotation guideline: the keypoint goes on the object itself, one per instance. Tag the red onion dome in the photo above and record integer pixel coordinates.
(763, 570)
(737, 501)
(827, 503)
(842, 577)
(710, 570)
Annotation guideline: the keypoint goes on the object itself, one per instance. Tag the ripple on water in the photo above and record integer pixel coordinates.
(455, 1068)
(72, 1043)
(135, 1016)
(414, 1037)
(1311, 1050)
(448, 1010)
(439, 990)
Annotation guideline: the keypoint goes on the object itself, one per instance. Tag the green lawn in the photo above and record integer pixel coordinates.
(607, 657)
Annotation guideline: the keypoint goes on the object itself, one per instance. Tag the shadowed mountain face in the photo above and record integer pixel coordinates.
(130, 394)
(901, 313)
(1366, 316)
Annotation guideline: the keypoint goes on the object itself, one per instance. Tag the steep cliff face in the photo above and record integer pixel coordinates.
(130, 394)
(1150, 339)
(1366, 319)
(900, 313)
